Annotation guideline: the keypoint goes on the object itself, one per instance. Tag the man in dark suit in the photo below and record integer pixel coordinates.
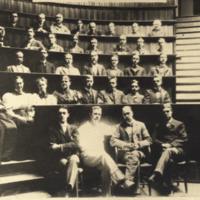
(135, 69)
(31, 43)
(114, 70)
(75, 48)
(93, 46)
(134, 97)
(93, 30)
(79, 28)
(89, 95)
(162, 69)
(63, 140)
(130, 137)
(140, 47)
(43, 66)
(122, 47)
(41, 24)
(157, 94)
(94, 68)
(111, 95)
(14, 21)
(169, 138)
(111, 30)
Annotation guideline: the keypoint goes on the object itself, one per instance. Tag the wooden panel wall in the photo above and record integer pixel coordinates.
(100, 83)
(166, 12)
(79, 60)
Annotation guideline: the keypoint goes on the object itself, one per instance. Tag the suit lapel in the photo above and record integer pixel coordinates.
(153, 96)
(85, 96)
(90, 70)
(94, 96)
(162, 95)
(110, 95)
(98, 70)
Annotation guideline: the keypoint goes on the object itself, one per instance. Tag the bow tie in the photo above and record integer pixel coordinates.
(43, 95)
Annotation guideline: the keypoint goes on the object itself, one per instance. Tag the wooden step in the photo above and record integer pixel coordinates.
(34, 195)
(187, 66)
(19, 178)
(187, 24)
(185, 47)
(188, 19)
(188, 88)
(190, 80)
(187, 41)
(187, 35)
(17, 167)
(183, 101)
(188, 96)
(188, 60)
(189, 53)
(188, 73)
(188, 30)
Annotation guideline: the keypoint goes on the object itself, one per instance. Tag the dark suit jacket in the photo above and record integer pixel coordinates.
(129, 72)
(9, 24)
(139, 129)
(88, 70)
(105, 97)
(38, 68)
(35, 43)
(175, 134)
(150, 97)
(36, 26)
(85, 99)
(68, 141)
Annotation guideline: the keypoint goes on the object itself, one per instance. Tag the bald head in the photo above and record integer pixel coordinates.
(127, 113)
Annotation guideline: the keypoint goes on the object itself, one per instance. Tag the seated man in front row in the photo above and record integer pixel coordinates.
(92, 137)
(162, 69)
(122, 48)
(94, 68)
(169, 138)
(93, 47)
(89, 95)
(68, 68)
(157, 94)
(63, 141)
(114, 70)
(31, 42)
(135, 69)
(111, 95)
(130, 137)
(134, 97)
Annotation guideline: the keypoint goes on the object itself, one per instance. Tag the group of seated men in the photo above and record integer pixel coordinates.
(86, 95)
(121, 48)
(130, 137)
(42, 65)
(59, 27)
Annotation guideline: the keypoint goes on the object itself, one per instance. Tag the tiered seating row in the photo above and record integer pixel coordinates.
(100, 83)
(79, 60)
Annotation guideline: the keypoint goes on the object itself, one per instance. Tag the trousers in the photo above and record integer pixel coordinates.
(107, 166)
(166, 156)
(70, 166)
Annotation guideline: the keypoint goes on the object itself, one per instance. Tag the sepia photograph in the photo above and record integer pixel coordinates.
(99, 99)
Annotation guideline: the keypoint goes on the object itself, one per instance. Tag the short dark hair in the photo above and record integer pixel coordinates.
(29, 27)
(64, 107)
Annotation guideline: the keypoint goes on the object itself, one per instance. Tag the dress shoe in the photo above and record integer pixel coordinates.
(156, 176)
(127, 184)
